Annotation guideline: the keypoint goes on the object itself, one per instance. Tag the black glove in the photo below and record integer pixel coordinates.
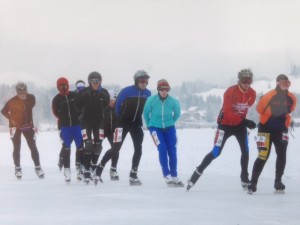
(249, 123)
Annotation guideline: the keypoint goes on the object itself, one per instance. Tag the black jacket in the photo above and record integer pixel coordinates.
(64, 108)
(92, 103)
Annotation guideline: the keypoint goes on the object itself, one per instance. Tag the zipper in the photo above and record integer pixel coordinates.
(111, 123)
(67, 100)
(136, 111)
(162, 113)
(25, 113)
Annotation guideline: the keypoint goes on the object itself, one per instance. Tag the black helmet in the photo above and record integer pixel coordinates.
(94, 77)
(21, 87)
(245, 73)
(140, 74)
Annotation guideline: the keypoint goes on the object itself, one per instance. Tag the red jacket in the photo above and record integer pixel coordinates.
(235, 105)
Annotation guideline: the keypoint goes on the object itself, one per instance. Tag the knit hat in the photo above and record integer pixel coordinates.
(112, 94)
(163, 85)
(63, 85)
(281, 77)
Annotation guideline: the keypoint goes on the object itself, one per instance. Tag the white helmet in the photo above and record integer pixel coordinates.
(140, 74)
(245, 73)
(21, 87)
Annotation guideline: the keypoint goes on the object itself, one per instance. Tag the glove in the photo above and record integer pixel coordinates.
(249, 123)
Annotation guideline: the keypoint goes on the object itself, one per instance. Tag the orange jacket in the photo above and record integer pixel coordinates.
(235, 105)
(19, 112)
(275, 107)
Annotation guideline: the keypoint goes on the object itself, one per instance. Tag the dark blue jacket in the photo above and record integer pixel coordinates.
(130, 104)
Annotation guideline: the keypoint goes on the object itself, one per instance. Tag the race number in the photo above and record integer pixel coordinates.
(118, 134)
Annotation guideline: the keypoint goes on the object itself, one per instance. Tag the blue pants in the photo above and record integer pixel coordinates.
(68, 134)
(166, 142)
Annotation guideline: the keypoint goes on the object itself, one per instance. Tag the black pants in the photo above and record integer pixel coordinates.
(137, 136)
(29, 136)
(280, 144)
(109, 135)
(92, 156)
(222, 134)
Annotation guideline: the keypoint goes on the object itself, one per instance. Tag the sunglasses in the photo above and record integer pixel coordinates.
(246, 81)
(284, 82)
(164, 89)
(95, 81)
(143, 81)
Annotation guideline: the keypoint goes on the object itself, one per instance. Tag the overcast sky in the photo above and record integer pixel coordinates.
(180, 40)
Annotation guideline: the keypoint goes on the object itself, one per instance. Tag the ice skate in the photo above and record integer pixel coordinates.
(279, 187)
(251, 188)
(245, 183)
(88, 176)
(67, 174)
(133, 179)
(97, 176)
(80, 175)
(39, 172)
(193, 179)
(176, 182)
(113, 173)
(168, 180)
(97, 179)
(18, 172)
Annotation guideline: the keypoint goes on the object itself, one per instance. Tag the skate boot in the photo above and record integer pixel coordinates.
(252, 188)
(193, 179)
(169, 181)
(88, 176)
(60, 163)
(113, 173)
(177, 182)
(97, 176)
(245, 183)
(279, 186)
(133, 178)
(18, 172)
(39, 172)
(80, 175)
(67, 174)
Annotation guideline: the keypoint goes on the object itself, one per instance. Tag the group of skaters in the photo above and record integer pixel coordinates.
(91, 113)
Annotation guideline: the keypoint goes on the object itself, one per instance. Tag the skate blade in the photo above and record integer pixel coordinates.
(175, 185)
(86, 181)
(279, 192)
(135, 184)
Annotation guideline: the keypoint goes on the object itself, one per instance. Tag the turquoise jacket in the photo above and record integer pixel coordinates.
(161, 113)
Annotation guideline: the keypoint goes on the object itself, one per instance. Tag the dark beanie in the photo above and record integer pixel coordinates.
(163, 84)
(281, 77)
